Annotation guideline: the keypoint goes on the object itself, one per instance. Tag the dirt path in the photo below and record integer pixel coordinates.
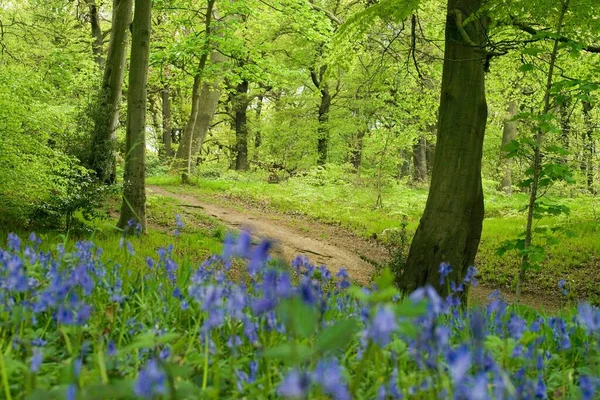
(321, 243)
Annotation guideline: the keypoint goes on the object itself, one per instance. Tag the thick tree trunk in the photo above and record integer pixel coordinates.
(450, 228)
(240, 108)
(589, 146)
(420, 161)
(106, 114)
(167, 122)
(134, 179)
(509, 133)
(96, 33)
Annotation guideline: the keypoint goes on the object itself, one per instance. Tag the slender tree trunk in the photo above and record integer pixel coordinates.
(323, 115)
(509, 133)
(420, 161)
(240, 108)
(589, 146)
(258, 133)
(404, 164)
(450, 228)
(167, 121)
(357, 151)
(134, 179)
(537, 154)
(106, 115)
(96, 34)
(323, 129)
(184, 151)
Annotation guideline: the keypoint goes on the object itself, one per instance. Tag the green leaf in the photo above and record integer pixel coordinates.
(299, 318)
(526, 68)
(337, 336)
(289, 352)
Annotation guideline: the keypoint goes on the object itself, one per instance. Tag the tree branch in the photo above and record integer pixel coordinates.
(563, 39)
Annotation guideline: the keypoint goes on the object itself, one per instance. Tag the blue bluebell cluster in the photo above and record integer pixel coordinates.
(242, 325)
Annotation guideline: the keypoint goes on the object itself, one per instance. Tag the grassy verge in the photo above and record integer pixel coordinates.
(352, 205)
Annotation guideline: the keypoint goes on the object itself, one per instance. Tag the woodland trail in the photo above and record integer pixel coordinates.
(322, 243)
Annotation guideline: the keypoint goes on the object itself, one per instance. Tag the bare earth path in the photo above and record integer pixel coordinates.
(321, 243)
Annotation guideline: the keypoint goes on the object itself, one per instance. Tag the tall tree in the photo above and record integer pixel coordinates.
(184, 152)
(509, 133)
(97, 34)
(106, 113)
(134, 178)
(450, 228)
(324, 107)
(167, 128)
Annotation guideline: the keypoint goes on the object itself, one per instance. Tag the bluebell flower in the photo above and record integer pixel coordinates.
(459, 363)
(36, 360)
(383, 325)
(516, 326)
(589, 317)
(165, 353)
(444, 271)
(587, 386)
(540, 391)
(112, 348)
(295, 385)
(435, 302)
(328, 374)
(71, 392)
(151, 381)
(14, 242)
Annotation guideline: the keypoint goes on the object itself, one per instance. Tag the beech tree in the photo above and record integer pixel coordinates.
(133, 207)
(106, 113)
(450, 228)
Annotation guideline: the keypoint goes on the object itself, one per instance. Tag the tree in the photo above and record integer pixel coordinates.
(450, 228)
(134, 187)
(509, 133)
(106, 112)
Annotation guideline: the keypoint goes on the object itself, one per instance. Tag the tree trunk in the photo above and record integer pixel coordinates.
(450, 228)
(240, 107)
(106, 115)
(96, 34)
(167, 121)
(324, 106)
(509, 133)
(357, 150)
(420, 161)
(134, 185)
(207, 107)
(323, 129)
(589, 147)
(184, 152)
(257, 133)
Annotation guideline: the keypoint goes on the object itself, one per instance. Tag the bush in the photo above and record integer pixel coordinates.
(80, 323)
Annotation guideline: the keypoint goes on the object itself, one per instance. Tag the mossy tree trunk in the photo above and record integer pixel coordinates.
(106, 113)
(323, 114)
(240, 113)
(167, 122)
(450, 228)
(134, 179)
(509, 133)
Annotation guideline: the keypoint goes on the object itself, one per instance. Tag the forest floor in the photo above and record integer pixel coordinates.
(322, 243)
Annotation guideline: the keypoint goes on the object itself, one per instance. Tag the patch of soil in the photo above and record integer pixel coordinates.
(322, 243)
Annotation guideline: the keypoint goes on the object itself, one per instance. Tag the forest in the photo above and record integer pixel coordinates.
(299, 199)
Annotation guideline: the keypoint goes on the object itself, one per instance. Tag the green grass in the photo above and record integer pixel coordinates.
(352, 205)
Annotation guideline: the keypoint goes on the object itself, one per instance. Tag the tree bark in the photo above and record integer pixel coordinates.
(450, 228)
(420, 161)
(509, 133)
(589, 146)
(258, 133)
(323, 114)
(184, 152)
(96, 33)
(357, 151)
(106, 114)
(240, 108)
(167, 121)
(134, 185)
